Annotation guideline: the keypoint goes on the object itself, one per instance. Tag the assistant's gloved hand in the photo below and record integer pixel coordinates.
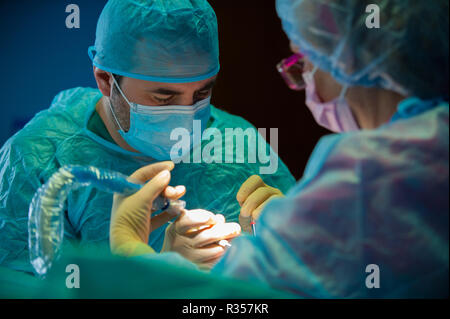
(253, 195)
(196, 235)
(130, 217)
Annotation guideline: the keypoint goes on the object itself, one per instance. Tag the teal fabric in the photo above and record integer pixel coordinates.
(97, 126)
(407, 54)
(58, 136)
(155, 276)
(157, 40)
(368, 197)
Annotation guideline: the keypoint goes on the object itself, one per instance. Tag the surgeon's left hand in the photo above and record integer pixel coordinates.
(130, 218)
(197, 236)
(253, 196)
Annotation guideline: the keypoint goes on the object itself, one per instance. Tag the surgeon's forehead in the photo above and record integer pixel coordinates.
(151, 85)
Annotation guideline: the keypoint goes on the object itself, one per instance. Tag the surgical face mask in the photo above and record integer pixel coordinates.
(334, 115)
(151, 126)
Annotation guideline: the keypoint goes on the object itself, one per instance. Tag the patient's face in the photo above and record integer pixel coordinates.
(156, 94)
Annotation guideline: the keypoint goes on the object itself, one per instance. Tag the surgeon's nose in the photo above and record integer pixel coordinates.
(187, 100)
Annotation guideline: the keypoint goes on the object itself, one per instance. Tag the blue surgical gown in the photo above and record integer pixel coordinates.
(59, 136)
(372, 197)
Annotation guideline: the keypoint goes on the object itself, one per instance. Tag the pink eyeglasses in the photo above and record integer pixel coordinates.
(291, 69)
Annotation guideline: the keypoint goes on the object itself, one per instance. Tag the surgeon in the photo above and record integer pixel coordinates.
(155, 63)
(370, 217)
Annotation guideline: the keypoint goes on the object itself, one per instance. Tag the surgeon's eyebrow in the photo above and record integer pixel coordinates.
(164, 91)
(208, 86)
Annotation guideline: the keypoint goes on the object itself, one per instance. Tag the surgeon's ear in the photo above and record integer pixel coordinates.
(103, 80)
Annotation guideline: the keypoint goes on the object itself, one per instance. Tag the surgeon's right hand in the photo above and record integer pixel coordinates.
(196, 235)
(131, 222)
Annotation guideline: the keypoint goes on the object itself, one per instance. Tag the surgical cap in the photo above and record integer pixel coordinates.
(157, 40)
(407, 54)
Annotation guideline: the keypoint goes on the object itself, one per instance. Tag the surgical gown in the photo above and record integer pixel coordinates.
(59, 136)
(373, 197)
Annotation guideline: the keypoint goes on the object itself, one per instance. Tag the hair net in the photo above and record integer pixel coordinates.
(157, 40)
(408, 53)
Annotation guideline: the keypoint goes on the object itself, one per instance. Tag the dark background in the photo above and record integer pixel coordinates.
(40, 57)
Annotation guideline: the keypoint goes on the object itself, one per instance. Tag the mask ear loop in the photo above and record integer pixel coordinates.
(341, 101)
(110, 106)
(343, 92)
(120, 90)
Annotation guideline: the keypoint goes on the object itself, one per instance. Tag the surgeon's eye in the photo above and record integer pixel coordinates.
(204, 94)
(163, 100)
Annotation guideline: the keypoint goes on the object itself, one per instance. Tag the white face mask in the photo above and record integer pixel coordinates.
(151, 126)
(334, 115)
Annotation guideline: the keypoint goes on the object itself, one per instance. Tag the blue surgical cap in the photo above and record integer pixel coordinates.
(407, 54)
(157, 40)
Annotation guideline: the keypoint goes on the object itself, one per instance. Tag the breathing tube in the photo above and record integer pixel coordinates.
(46, 212)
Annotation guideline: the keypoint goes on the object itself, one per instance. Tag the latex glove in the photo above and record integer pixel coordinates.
(130, 217)
(253, 196)
(196, 235)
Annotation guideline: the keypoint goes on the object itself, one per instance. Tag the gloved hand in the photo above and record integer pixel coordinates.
(253, 195)
(196, 235)
(130, 217)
